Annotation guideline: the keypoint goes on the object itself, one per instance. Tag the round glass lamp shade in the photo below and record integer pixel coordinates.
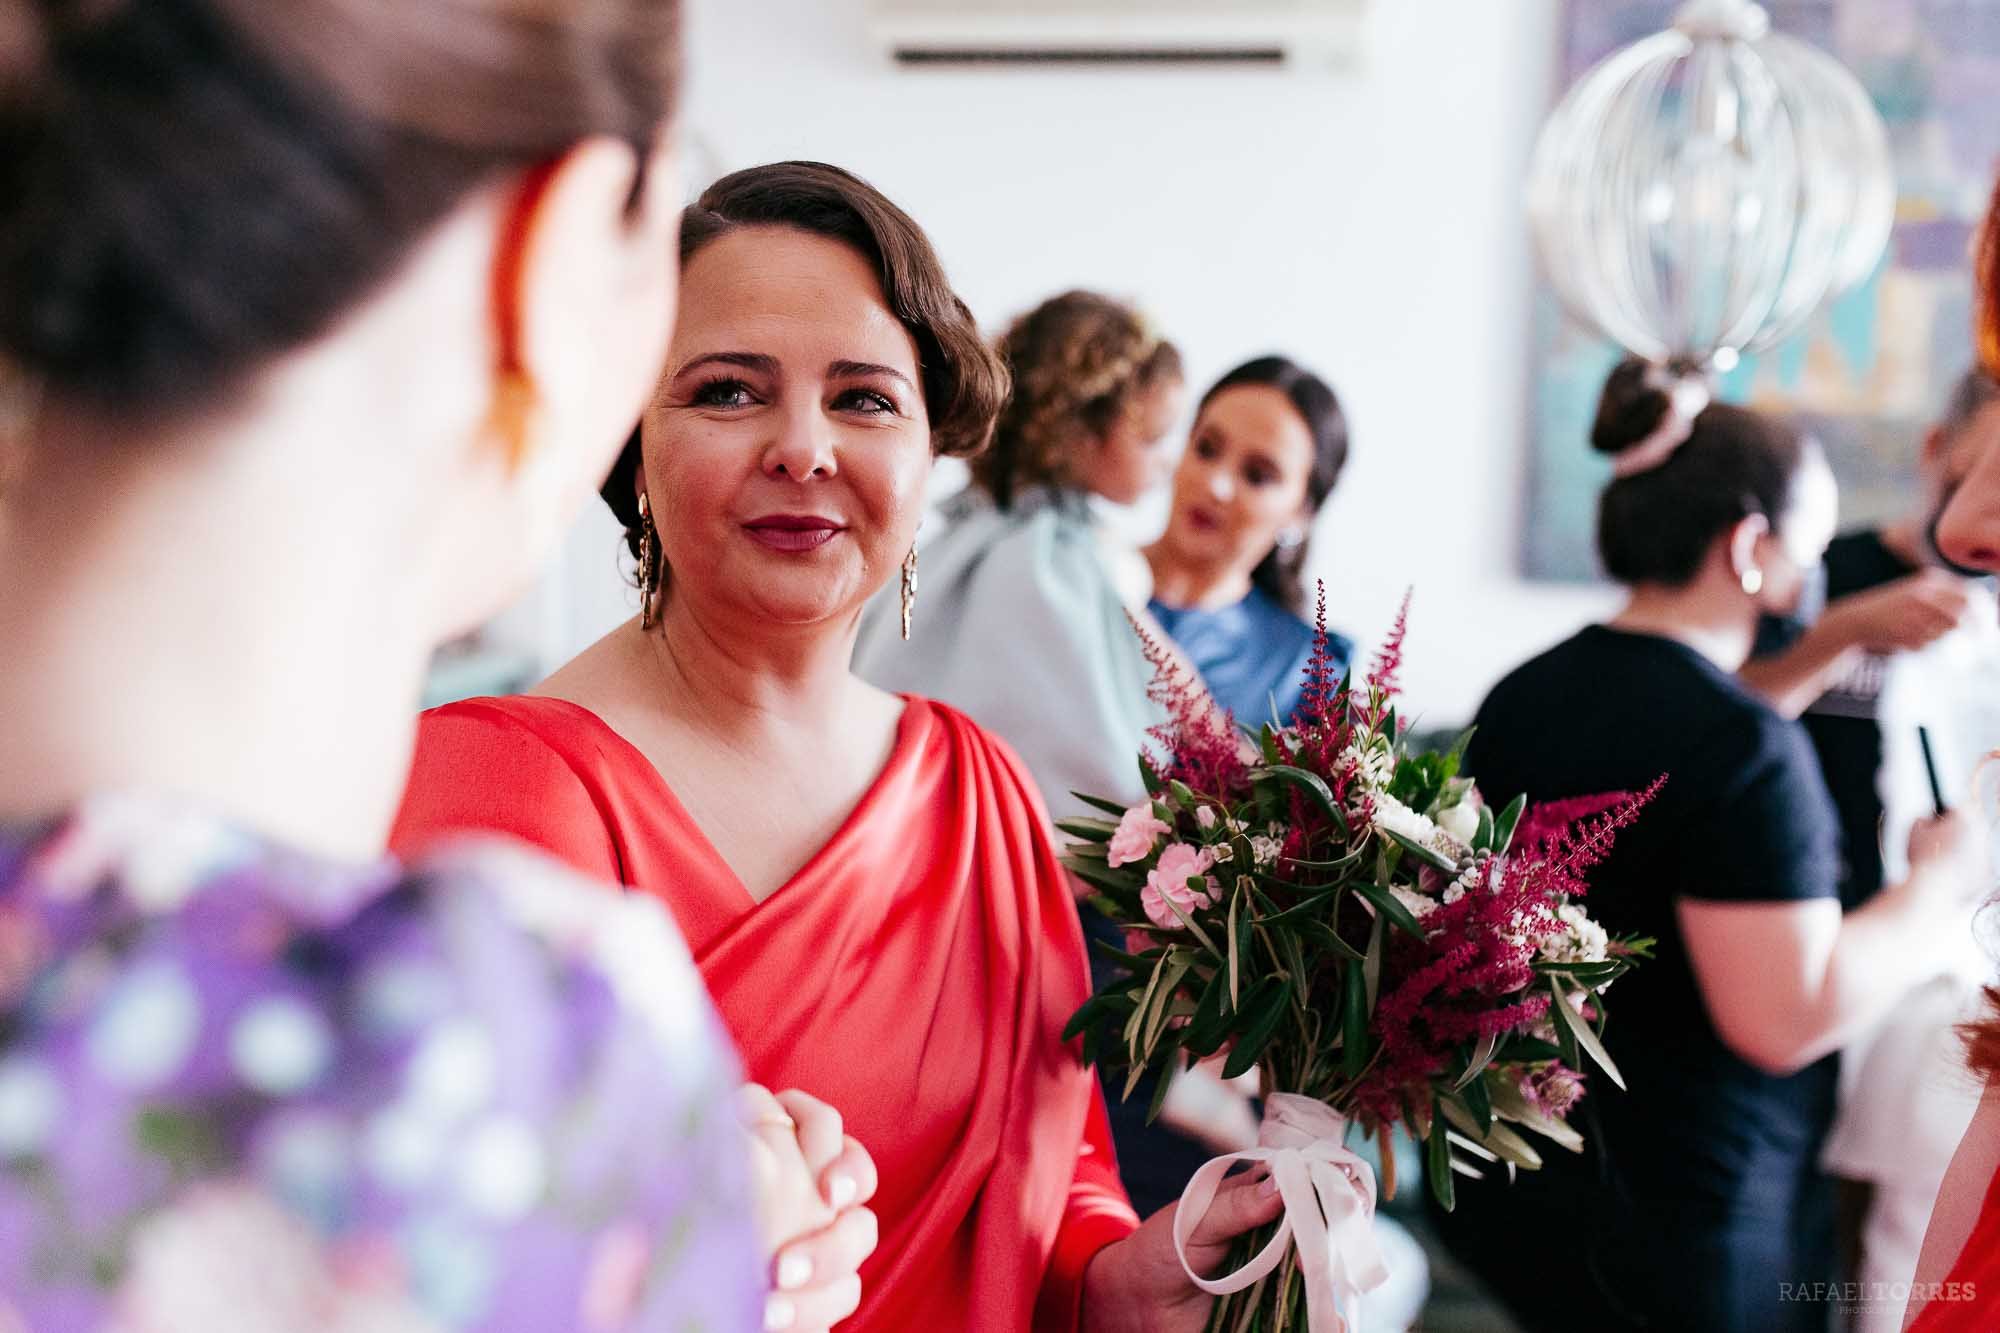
(1704, 191)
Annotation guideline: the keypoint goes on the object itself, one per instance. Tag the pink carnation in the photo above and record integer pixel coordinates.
(1555, 1088)
(1138, 829)
(1168, 883)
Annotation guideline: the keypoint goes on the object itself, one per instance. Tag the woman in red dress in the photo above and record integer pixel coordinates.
(867, 880)
(1958, 1274)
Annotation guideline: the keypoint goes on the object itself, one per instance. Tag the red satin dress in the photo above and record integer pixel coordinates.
(1970, 1301)
(916, 975)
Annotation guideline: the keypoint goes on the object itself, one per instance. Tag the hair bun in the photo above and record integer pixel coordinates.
(1636, 399)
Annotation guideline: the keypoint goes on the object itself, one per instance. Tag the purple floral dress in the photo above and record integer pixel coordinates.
(243, 1089)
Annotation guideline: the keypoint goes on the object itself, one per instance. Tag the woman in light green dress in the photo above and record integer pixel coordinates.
(1021, 619)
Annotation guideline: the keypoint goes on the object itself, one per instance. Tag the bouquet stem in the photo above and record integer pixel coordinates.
(1388, 1155)
(1275, 1303)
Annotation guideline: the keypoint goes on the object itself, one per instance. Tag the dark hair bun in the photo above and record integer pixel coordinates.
(1656, 524)
(1636, 399)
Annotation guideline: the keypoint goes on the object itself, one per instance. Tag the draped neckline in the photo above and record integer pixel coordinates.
(910, 730)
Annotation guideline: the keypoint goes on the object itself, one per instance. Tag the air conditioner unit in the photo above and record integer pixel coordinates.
(1272, 32)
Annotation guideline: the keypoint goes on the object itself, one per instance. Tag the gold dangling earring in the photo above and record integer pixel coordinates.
(909, 589)
(649, 563)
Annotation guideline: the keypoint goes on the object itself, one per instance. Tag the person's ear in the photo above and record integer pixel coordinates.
(1746, 560)
(583, 280)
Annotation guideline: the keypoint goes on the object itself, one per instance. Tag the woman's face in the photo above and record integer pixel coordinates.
(786, 452)
(1242, 481)
(1131, 459)
(1789, 555)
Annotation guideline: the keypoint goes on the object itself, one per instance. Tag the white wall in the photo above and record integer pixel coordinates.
(1367, 221)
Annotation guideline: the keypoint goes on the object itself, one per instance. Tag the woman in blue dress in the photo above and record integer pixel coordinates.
(1268, 445)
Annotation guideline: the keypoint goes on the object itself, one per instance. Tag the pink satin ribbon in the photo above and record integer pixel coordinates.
(1329, 1196)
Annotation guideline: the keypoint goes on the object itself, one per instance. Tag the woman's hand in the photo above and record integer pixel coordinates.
(813, 1184)
(1951, 849)
(1911, 613)
(1137, 1283)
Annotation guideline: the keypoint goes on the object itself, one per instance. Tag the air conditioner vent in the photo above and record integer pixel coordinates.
(1042, 33)
(1102, 55)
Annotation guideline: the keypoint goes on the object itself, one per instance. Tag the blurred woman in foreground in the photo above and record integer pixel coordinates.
(333, 316)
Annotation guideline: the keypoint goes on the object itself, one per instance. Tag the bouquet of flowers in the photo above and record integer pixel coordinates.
(1354, 921)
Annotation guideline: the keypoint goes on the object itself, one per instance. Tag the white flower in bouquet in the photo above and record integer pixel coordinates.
(1392, 816)
(1577, 939)
(1461, 821)
(1374, 763)
(1264, 850)
(1419, 905)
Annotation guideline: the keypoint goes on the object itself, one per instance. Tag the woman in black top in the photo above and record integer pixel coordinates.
(1698, 1200)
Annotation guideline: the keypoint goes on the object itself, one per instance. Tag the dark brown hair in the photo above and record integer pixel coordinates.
(189, 188)
(1281, 573)
(1078, 361)
(1657, 526)
(963, 382)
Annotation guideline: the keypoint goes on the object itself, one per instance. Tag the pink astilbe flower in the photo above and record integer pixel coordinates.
(1199, 739)
(1587, 841)
(1325, 729)
(1382, 683)
(1542, 824)
(1323, 701)
(1471, 975)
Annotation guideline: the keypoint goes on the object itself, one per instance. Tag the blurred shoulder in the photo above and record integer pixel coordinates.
(540, 769)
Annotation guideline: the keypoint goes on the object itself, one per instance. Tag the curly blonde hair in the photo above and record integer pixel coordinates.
(1077, 362)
